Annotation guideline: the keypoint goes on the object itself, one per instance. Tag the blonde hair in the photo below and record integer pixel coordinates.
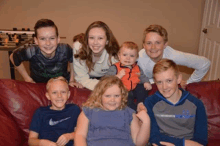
(61, 78)
(95, 99)
(129, 45)
(158, 29)
(164, 65)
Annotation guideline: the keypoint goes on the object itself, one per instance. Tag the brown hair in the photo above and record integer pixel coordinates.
(130, 45)
(95, 99)
(111, 47)
(158, 29)
(61, 78)
(45, 23)
(164, 65)
(79, 37)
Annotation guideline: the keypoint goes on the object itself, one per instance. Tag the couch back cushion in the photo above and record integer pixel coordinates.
(209, 93)
(21, 99)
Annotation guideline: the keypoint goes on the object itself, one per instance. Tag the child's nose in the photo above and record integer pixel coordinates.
(47, 42)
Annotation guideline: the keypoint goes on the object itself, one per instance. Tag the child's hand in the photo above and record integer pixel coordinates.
(44, 142)
(166, 143)
(76, 84)
(121, 74)
(141, 107)
(147, 86)
(143, 116)
(63, 139)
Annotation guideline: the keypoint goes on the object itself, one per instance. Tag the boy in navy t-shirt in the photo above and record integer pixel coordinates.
(54, 125)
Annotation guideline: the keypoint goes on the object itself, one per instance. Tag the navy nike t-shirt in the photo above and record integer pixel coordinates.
(51, 124)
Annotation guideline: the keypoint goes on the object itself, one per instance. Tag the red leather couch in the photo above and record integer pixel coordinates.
(19, 100)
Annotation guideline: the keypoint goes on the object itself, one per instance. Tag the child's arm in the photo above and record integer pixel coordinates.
(21, 69)
(65, 138)
(140, 133)
(72, 81)
(81, 130)
(34, 141)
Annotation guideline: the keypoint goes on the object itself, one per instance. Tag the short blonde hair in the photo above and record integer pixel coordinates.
(164, 65)
(61, 78)
(158, 29)
(95, 99)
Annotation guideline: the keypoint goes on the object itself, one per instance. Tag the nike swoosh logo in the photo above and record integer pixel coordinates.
(52, 123)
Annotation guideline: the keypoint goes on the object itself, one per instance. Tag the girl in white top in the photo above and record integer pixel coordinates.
(155, 41)
(93, 58)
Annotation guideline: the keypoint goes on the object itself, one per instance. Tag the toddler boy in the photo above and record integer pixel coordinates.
(54, 125)
(131, 74)
(177, 117)
(48, 58)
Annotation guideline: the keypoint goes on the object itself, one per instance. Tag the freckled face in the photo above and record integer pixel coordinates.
(154, 45)
(97, 40)
(111, 99)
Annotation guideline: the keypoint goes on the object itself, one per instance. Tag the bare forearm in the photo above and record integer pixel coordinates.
(80, 140)
(143, 134)
(21, 69)
(34, 142)
(72, 78)
(190, 143)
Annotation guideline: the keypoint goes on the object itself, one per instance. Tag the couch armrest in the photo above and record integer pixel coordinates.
(10, 134)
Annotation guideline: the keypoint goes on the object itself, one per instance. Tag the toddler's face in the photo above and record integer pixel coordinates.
(111, 99)
(97, 40)
(47, 40)
(127, 56)
(58, 93)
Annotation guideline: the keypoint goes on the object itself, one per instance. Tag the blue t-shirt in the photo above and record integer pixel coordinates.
(109, 128)
(51, 124)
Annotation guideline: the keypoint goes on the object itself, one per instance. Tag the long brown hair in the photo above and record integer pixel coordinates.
(111, 47)
(95, 99)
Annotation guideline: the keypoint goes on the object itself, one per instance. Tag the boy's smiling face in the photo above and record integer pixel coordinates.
(58, 93)
(47, 40)
(167, 84)
(127, 56)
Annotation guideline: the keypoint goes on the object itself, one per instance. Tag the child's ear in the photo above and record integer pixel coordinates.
(35, 40)
(47, 95)
(179, 78)
(58, 41)
(165, 45)
(68, 94)
(106, 42)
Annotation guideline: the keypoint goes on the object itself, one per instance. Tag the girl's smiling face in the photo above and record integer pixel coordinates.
(111, 99)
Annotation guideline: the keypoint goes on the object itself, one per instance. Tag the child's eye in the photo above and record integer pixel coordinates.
(159, 82)
(132, 56)
(157, 43)
(54, 92)
(63, 92)
(52, 38)
(169, 81)
(91, 38)
(148, 43)
(117, 95)
(124, 54)
(107, 96)
(100, 38)
(42, 39)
